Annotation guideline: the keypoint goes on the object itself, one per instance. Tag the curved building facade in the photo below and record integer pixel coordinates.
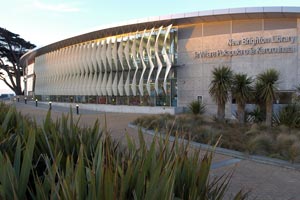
(167, 61)
(133, 68)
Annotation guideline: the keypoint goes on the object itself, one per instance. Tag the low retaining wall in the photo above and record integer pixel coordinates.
(122, 108)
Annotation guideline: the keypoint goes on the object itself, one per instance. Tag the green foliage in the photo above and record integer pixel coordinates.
(296, 95)
(196, 107)
(266, 88)
(61, 160)
(290, 116)
(220, 85)
(15, 176)
(256, 115)
(241, 92)
(153, 122)
(241, 88)
(266, 83)
(12, 47)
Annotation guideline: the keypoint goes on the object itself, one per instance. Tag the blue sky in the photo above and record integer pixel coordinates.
(45, 21)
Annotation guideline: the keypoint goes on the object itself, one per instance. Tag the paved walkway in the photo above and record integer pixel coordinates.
(266, 182)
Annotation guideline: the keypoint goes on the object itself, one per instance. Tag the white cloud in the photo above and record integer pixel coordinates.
(59, 7)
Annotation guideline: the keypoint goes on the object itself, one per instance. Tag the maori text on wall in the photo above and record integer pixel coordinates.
(257, 47)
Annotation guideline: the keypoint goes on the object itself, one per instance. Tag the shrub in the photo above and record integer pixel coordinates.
(154, 122)
(284, 142)
(254, 130)
(196, 107)
(60, 160)
(256, 115)
(254, 138)
(294, 152)
(206, 135)
(290, 116)
(261, 144)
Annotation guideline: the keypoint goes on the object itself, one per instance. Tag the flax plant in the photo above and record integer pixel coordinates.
(61, 160)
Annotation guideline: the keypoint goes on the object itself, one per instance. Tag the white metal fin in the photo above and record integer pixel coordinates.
(166, 57)
(141, 52)
(159, 64)
(150, 61)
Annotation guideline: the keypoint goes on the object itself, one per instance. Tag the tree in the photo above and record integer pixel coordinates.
(12, 47)
(266, 85)
(296, 95)
(241, 92)
(220, 87)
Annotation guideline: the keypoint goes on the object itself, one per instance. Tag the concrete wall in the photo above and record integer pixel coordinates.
(121, 108)
(194, 74)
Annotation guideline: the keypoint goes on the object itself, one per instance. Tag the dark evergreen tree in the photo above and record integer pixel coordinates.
(12, 47)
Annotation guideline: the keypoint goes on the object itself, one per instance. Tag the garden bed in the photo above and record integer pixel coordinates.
(255, 139)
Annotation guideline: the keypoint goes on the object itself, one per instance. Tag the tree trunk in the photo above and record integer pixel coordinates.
(18, 90)
(269, 111)
(241, 113)
(221, 112)
(18, 86)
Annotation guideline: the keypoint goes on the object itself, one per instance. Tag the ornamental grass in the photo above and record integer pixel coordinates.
(61, 160)
(280, 141)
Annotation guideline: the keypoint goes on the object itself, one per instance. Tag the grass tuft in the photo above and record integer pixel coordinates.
(261, 144)
(61, 160)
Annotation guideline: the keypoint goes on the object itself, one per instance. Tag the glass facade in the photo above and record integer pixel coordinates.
(129, 69)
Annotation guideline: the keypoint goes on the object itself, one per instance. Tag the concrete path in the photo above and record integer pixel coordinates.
(266, 182)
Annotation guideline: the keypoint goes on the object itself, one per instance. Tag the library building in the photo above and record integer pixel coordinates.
(161, 64)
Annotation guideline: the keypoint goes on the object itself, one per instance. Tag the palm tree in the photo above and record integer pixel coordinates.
(241, 91)
(220, 87)
(267, 82)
